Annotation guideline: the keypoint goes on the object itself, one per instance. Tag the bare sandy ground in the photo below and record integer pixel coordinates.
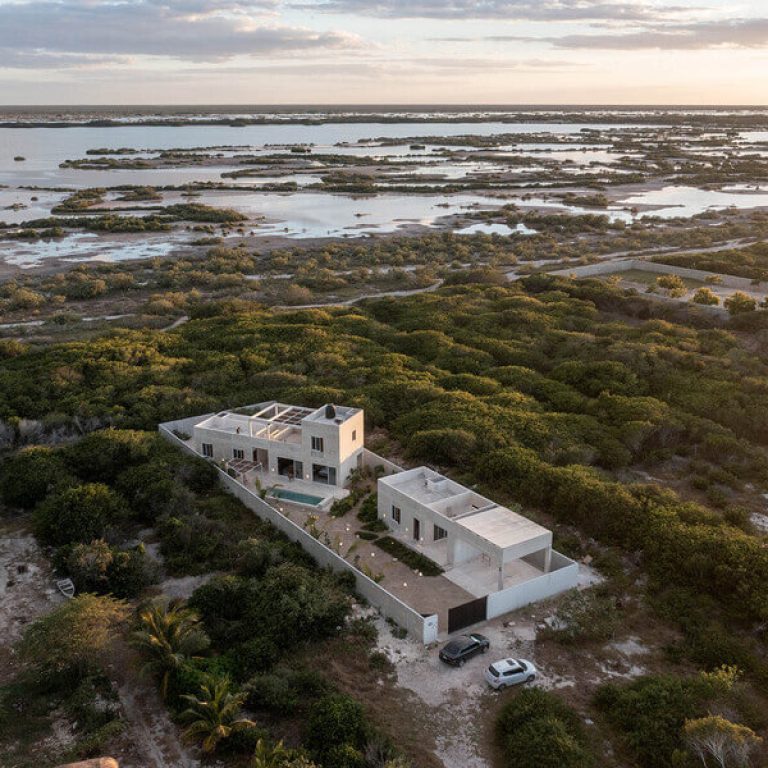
(27, 590)
(460, 705)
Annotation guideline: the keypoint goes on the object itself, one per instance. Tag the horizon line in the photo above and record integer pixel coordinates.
(393, 105)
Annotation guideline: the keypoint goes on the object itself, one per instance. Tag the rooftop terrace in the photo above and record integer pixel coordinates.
(275, 421)
(270, 421)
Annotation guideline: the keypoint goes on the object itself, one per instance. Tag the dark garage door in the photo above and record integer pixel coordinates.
(467, 614)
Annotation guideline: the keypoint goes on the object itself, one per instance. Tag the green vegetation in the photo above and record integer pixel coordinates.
(100, 568)
(168, 637)
(584, 615)
(79, 201)
(706, 296)
(548, 393)
(537, 730)
(750, 261)
(66, 654)
(651, 712)
(414, 560)
(715, 737)
(207, 655)
(657, 715)
(564, 397)
(739, 303)
(672, 285)
(213, 713)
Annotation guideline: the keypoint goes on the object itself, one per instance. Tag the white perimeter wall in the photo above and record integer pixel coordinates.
(423, 628)
(373, 460)
(563, 576)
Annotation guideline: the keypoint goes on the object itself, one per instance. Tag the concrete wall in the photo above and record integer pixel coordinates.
(352, 427)
(562, 576)
(423, 628)
(410, 509)
(224, 444)
(373, 460)
(624, 265)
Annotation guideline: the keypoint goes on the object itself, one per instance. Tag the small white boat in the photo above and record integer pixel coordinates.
(66, 587)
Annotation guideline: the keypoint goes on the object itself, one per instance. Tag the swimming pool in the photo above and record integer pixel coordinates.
(299, 498)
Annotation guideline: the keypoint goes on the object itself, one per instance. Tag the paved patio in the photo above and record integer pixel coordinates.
(478, 576)
(425, 594)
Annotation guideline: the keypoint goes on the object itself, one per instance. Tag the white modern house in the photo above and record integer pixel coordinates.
(281, 443)
(483, 547)
(273, 455)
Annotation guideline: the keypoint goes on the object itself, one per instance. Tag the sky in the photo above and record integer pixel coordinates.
(383, 52)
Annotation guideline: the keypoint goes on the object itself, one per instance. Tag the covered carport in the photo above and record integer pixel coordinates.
(513, 547)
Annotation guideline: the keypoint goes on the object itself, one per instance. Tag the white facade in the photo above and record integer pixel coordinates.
(482, 546)
(321, 445)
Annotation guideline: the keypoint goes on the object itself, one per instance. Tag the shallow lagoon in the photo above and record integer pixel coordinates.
(85, 246)
(690, 201)
(320, 214)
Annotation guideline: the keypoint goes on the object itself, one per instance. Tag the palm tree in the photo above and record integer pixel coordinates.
(265, 756)
(213, 714)
(168, 636)
(278, 756)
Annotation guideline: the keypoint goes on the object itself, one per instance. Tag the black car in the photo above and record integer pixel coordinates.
(464, 647)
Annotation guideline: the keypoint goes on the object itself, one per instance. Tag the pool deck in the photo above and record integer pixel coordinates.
(255, 479)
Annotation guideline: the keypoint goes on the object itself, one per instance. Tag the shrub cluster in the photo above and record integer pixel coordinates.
(537, 730)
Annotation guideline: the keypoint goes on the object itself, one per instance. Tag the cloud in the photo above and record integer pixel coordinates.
(740, 33)
(196, 30)
(510, 10)
(488, 65)
(14, 59)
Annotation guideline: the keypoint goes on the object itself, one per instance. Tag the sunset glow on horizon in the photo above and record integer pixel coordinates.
(383, 51)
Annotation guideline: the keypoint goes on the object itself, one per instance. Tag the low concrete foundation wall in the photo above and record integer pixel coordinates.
(562, 576)
(624, 265)
(422, 628)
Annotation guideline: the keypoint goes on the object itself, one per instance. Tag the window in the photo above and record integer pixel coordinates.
(439, 533)
(323, 474)
(207, 450)
(238, 453)
(396, 514)
(317, 444)
(354, 435)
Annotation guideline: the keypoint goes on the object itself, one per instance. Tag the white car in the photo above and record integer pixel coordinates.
(502, 674)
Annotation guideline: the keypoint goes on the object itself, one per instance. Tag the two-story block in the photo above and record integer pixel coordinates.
(286, 442)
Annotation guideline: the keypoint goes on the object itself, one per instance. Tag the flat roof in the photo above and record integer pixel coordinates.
(498, 525)
(340, 414)
(424, 485)
(254, 418)
(502, 527)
